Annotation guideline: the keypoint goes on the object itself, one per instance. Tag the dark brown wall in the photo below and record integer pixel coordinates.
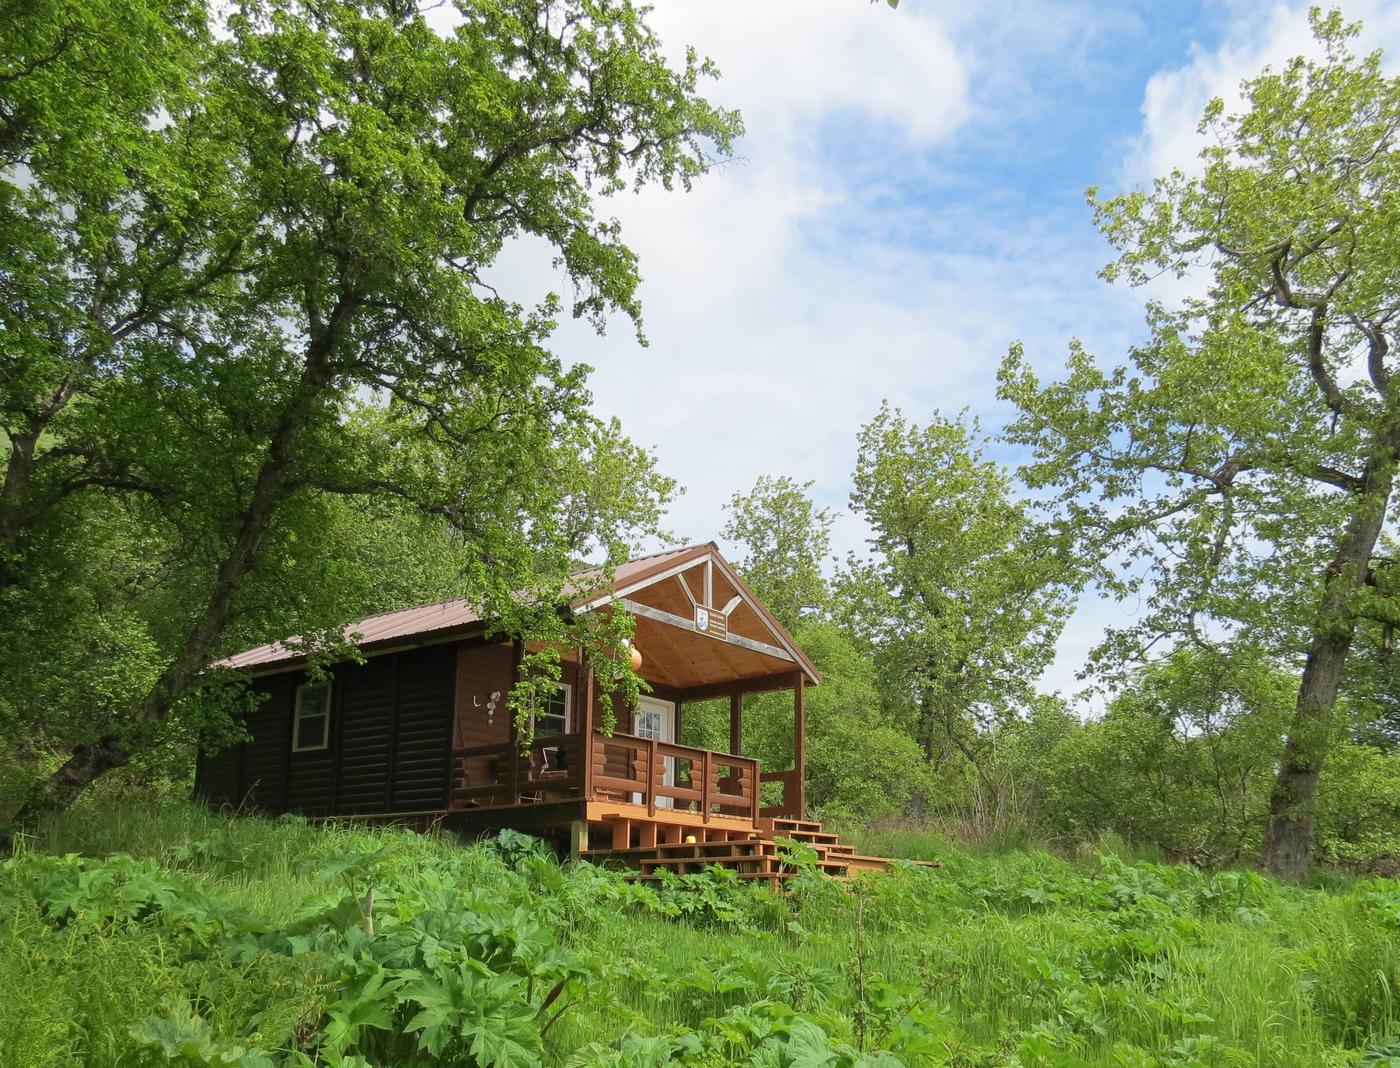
(483, 670)
(390, 743)
(394, 722)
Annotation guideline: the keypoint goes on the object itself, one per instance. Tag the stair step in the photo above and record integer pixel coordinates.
(776, 876)
(752, 855)
(811, 837)
(784, 826)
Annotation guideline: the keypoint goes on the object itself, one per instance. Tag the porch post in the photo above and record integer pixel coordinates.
(736, 723)
(578, 839)
(517, 654)
(799, 742)
(585, 728)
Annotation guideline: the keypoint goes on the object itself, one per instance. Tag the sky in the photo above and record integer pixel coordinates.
(908, 202)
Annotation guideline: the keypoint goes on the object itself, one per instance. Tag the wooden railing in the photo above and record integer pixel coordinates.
(791, 807)
(665, 775)
(627, 768)
(489, 776)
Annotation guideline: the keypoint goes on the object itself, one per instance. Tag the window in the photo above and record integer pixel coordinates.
(311, 726)
(554, 717)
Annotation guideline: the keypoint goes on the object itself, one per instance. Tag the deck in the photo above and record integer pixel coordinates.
(658, 778)
(643, 804)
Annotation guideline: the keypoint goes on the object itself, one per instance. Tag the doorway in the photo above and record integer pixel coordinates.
(656, 718)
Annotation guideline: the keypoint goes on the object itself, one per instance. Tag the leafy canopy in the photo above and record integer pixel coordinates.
(254, 277)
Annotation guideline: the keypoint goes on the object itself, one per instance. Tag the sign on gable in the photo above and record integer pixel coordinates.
(712, 621)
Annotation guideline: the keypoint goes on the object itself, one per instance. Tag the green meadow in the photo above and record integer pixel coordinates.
(172, 935)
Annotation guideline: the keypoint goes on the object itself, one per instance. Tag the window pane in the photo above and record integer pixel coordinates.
(313, 713)
(311, 732)
(545, 724)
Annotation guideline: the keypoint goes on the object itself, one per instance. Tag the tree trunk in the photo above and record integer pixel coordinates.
(86, 764)
(1288, 843)
(918, 801)
(270, 491)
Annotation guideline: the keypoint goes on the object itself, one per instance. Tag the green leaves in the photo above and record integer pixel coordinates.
(966, 592)
(252, 333)
(482, 1011)
(185, 1038)
(1237, 472)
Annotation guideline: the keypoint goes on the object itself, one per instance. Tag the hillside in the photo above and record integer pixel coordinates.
(173, 936)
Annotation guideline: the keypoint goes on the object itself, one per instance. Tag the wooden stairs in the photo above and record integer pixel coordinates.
(750, 854)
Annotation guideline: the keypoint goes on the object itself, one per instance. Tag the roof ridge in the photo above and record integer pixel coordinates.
(451, 612)
(581, 571)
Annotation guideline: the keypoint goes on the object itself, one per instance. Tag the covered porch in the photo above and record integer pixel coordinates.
(702, 636)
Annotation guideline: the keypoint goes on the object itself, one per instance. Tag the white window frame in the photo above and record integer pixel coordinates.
(302, 712)
(568, 692)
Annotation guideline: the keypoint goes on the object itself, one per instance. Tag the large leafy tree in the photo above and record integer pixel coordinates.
(1242, 470)
(965, 595)
(784, 541)
(247, 273)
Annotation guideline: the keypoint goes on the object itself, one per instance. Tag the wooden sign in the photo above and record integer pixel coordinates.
(712, 621)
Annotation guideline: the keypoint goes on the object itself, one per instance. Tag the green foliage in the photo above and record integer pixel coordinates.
(1183, 759)
(250, 326)
(219, 941)
(965, 595)
(1239, 470)
(784, 540)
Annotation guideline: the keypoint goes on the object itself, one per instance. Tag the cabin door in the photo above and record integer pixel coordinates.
(656, 718)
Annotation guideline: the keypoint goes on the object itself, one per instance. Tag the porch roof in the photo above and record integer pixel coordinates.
(658, 588)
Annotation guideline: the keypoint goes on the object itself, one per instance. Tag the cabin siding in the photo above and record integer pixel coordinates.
(363, 769)
(396, 719)
(216, 776)
(483, 683)
(422, 732)
(390, 743)
(262, 779)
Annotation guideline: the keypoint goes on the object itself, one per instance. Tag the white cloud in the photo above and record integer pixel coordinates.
(1260, 35)
(787, 295)
(790, 63)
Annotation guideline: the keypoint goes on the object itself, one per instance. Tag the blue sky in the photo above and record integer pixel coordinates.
(909, 203)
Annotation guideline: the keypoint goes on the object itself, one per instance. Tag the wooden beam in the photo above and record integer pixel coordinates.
(681, 623)
(517, 654)
(686, 586)
(578, 839)
(586, 729)
(640, 584)
(736, 723)
(799, 742)
(753, 684)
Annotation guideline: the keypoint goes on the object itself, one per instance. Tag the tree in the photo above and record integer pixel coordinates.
(1182, 759)
(964, 597)
(784, 540)
(1242, 471)
(248, 273)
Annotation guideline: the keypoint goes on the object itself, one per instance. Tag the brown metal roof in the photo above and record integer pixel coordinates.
(455, 615)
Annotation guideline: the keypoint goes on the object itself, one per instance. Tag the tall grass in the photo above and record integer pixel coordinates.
(1020, 956)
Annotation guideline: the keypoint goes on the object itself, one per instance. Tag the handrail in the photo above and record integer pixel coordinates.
(791, 807)
(646, 783)
(504, 773)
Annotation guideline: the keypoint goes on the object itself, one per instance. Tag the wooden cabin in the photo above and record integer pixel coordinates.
(421, 733)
